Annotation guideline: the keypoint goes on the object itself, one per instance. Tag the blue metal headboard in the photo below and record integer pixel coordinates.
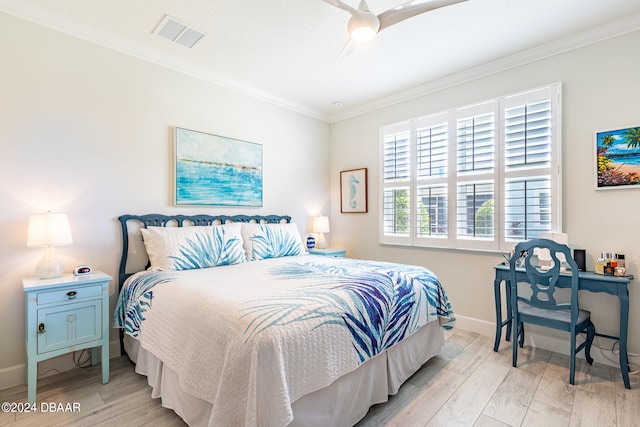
(160, 220)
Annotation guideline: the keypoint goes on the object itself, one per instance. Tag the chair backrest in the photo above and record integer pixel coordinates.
(542, 281)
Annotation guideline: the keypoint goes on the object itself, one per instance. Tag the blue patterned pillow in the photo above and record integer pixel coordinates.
(263, 241)
(185, 248)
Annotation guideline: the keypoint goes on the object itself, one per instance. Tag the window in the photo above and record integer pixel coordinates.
(479, 177)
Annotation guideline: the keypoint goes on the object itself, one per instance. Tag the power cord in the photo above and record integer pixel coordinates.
(616, 352)
(40, 374)
(79, 362)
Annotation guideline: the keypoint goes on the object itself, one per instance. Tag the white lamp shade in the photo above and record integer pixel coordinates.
(48, 229)
(321, 224)
(544, 255)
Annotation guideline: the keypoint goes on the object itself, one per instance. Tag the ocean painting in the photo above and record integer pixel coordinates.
(618, 158)
(216, 170)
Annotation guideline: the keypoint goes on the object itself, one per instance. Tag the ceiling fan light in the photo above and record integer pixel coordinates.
(363, 26)
(362, 34)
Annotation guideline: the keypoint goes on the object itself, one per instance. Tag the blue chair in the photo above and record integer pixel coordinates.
(538, 305)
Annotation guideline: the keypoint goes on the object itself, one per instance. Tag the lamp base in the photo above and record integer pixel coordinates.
(49, 267)
(321, 242)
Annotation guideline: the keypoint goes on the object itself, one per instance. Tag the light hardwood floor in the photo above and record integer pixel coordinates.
(466, 385)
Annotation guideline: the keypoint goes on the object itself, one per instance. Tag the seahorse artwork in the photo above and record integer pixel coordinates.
(352, 191)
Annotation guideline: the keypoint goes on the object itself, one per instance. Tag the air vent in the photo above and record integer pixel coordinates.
(174, 30)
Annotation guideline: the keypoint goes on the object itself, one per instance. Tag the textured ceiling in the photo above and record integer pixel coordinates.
(288, 51)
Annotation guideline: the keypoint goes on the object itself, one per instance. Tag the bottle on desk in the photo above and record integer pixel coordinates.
(611, 264)
(621, 268)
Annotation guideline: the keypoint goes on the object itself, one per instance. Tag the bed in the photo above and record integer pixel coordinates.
(234, 324)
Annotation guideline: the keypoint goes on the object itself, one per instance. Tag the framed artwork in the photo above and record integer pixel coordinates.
(216, 170)
(353, 191)
(617, 158)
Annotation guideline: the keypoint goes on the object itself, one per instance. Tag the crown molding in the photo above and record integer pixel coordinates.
(574, 41)
(28, 12)
(36, 15)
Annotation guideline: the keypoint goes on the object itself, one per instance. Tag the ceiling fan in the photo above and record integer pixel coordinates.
(364, 24)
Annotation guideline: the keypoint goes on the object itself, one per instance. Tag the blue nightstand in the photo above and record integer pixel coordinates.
(63, 315)
(336, 253)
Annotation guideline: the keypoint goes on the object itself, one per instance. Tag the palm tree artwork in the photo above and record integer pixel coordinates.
(618, 157)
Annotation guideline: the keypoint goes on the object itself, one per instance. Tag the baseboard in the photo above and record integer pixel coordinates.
(15, 375)
(478, 326)
(11, 376)
(602, 354)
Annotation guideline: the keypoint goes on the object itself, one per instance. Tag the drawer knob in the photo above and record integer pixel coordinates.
(41, 328)
(72, 294)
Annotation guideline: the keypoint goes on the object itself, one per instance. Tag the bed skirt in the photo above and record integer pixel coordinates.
(335, 405)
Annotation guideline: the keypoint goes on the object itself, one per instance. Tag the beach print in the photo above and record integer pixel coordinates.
(215, 170)
(618, 157)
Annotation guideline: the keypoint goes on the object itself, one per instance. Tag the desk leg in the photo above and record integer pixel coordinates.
(624, 328)
(509, 319)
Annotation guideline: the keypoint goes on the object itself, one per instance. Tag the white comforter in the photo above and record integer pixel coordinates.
(252, 338)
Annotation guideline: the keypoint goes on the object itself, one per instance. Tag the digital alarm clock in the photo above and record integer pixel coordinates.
(82, 270)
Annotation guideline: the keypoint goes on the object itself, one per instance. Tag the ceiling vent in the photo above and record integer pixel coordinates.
(174, 30)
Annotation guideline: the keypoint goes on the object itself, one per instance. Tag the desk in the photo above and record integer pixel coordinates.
(588, 281)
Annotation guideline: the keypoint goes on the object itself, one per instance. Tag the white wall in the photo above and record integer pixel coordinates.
(88, 131)
(601, 90)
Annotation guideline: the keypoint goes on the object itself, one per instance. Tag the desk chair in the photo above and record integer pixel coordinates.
(539, 305)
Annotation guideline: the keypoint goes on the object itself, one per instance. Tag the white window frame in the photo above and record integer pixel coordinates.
(498, 176)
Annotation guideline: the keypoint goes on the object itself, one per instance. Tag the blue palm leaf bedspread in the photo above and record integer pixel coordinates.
(295, 315)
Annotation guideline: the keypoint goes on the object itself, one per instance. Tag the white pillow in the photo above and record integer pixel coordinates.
(184, 248)
(271, 240)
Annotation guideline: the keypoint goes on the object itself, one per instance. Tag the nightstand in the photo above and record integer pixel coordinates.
(63, 315)
(336, 253)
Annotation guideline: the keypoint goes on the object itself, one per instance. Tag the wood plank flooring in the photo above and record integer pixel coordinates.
(466, 385)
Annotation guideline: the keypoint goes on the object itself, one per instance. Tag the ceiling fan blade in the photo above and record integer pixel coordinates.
(408, 9)
(341, 5)
(346, 51)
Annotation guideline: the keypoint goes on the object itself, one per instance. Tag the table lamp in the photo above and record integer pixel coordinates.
(543, 254)
(48, 230)
(321, 226)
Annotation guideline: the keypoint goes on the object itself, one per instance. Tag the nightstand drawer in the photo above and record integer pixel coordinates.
(69, 325)
(69, 294)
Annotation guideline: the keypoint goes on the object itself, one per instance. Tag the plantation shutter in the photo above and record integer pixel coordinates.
(431, 211)
(475, 214)
(531, 196)
(479, 177)
(397, 162)
(475, 167)
(432, 142)
(476, 142)
(396, 200)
